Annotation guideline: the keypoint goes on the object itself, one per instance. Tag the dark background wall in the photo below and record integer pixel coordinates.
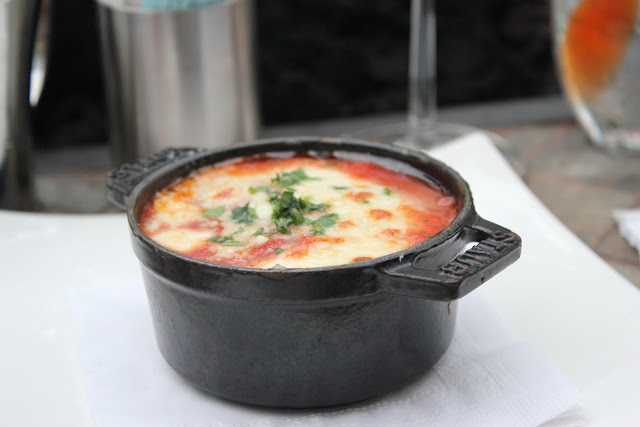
(339, 58)
(324, 59)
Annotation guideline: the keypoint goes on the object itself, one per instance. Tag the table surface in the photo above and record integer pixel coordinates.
(580, 184)
(560, 298)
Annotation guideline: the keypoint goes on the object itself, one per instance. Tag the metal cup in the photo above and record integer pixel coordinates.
(178, 77)
(17, 29)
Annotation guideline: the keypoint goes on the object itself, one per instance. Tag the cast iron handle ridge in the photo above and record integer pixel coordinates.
(497, 248)
(122, 181)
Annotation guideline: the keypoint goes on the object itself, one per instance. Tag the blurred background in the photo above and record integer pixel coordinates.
(318, 60)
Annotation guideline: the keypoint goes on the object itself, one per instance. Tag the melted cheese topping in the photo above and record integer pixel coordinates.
(349, 211)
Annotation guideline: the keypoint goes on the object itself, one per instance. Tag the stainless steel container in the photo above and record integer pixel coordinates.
(177, 77)
(17, 29)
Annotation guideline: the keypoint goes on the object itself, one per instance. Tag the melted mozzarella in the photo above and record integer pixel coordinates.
(377, 214)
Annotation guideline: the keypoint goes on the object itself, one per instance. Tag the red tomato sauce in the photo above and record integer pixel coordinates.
(392, 180)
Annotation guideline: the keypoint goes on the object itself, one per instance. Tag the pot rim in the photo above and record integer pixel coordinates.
(298, 145)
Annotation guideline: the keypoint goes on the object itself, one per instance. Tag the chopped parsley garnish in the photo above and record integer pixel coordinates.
(277, 250)
(387, 191)
(288, 210)
(283, 225)
(233, 243)
(228, 240)
(213, 212)
(263, 188)
(244, 214)
(288, 179)
(219, 239)
(327, 220)
(365, 202)
(262, 232)
(337, 187)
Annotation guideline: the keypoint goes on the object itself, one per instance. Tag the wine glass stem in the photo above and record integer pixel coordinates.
(422, 68)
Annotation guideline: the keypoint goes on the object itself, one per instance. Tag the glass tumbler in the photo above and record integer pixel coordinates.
(597, 47)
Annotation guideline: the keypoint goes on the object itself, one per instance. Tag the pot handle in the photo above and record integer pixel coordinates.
(122, 181)
(497, 248)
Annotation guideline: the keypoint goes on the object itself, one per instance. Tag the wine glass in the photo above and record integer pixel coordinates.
(421, 129)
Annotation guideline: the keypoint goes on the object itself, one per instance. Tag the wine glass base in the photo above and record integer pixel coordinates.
(620, 142)
(435, 135)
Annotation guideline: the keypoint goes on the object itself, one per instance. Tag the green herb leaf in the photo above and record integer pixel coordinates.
(283, 226)
(244, 214)
(233, 243)
(228, 240)
(319, 224)
(365, 202)
(277, 250)
(337, 187)
(387, 191)
(309, 207)
(288, 179)
(213, 212)
(327, 220)
(262, 188)
(296, 216)
(259, 231)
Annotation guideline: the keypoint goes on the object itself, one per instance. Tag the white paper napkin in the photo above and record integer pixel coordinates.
(486, 378)
(629, 225)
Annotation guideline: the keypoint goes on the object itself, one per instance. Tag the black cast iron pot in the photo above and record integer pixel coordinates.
(312, 337)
